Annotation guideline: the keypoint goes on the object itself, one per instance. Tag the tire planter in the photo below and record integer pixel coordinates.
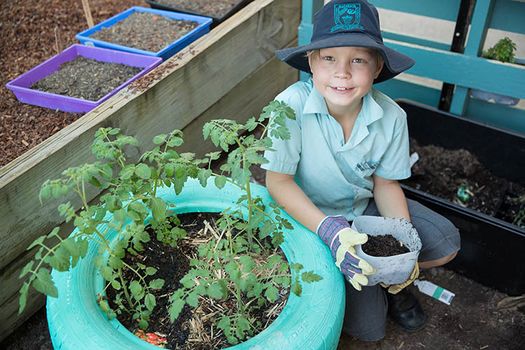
(202, 28)
(312, 321)
(21, 86)
(491, 249)
(216, 19)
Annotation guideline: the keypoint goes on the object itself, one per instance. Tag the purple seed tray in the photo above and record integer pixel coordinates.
(21, 86)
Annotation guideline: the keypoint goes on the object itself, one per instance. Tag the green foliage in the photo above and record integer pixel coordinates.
(130, 196)
(502, 51)
(240, 263)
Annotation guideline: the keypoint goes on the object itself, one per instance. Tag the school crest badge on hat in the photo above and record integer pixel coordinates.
(347, 17)
(348, 23)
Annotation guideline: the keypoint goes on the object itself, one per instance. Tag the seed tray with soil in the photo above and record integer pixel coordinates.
(219, 10)
(147, 31)
(77, 81)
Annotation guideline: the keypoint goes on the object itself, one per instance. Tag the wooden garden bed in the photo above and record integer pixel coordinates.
(231, 72)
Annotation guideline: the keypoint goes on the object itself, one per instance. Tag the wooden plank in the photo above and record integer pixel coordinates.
(177, 92)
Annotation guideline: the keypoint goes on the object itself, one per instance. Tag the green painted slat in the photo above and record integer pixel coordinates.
(397, 89)
(459, 100)
(463, 70)
(446, 9)
(512, 119)
(509, 16)
(416, 41)
(478, 29)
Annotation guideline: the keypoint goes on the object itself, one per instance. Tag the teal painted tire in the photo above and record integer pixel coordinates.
(312, 321)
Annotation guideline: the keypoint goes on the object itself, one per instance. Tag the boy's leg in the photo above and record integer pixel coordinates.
(365, 313)
(440, 242)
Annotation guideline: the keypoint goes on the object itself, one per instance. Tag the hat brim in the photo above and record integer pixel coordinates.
(395, 62)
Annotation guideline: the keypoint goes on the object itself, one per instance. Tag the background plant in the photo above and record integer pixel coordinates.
(503, 51)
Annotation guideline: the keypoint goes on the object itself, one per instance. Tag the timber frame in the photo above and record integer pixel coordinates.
(230, 72)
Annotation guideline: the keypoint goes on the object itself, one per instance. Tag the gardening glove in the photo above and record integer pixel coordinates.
(396, 288)
(336, 233)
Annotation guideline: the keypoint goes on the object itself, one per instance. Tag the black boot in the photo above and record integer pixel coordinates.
(406, 311)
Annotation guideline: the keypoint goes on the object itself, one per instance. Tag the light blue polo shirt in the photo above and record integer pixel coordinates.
(337, 175)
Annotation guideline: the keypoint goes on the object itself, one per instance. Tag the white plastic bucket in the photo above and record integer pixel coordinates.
(390, 269)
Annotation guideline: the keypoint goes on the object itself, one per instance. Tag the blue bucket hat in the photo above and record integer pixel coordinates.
(348, 23)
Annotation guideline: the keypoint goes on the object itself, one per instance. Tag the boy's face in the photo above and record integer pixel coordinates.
(343, 75)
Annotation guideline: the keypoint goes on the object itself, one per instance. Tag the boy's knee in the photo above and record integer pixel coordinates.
(438, 262)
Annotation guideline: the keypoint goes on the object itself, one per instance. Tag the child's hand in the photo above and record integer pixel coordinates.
(336, 233)
(396, 288)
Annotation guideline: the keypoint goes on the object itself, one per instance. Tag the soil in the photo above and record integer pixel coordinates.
(195, 329)
(86, 78)
(145, 31)
(32, 32)
(215, 9)
(384, 245)
(458, 176)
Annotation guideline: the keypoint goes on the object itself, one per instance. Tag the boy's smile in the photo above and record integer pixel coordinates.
(343, 75)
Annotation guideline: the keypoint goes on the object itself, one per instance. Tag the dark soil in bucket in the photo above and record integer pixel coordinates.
(384, 245)
(195, 328)
(216, 9)
(458, 176)
(86, 78)
(145, 31)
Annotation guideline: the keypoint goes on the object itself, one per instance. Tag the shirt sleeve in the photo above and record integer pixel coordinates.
(285, 154)
(395, 163)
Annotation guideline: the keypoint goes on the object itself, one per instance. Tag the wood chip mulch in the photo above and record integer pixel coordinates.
(32, 32)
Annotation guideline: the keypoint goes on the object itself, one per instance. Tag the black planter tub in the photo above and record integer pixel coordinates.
(492, 250)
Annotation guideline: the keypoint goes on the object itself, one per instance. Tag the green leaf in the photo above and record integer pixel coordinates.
(176, 308)
(143, 171)
(136, 289)
(175, 141)
(158, 209)
(156, 283)
(22, 301)
(44, 284)
(27, 268)
(203, 176)
(150, 301)
(310, 277)
(220, 181)
(193, 299)
(159, 139)
(271, 293)
(217, 290)
(36, 242)
(150, 271)
(297, 289)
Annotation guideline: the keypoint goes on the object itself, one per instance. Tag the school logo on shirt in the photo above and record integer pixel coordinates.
(347, 17)
(367, 166)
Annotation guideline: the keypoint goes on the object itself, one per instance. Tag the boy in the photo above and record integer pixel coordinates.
(348, 148)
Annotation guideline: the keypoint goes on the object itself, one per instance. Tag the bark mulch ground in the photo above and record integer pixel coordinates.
(31, 32)
(216, 9)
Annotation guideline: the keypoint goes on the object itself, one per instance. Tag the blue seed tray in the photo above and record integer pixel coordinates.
(203, 27)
